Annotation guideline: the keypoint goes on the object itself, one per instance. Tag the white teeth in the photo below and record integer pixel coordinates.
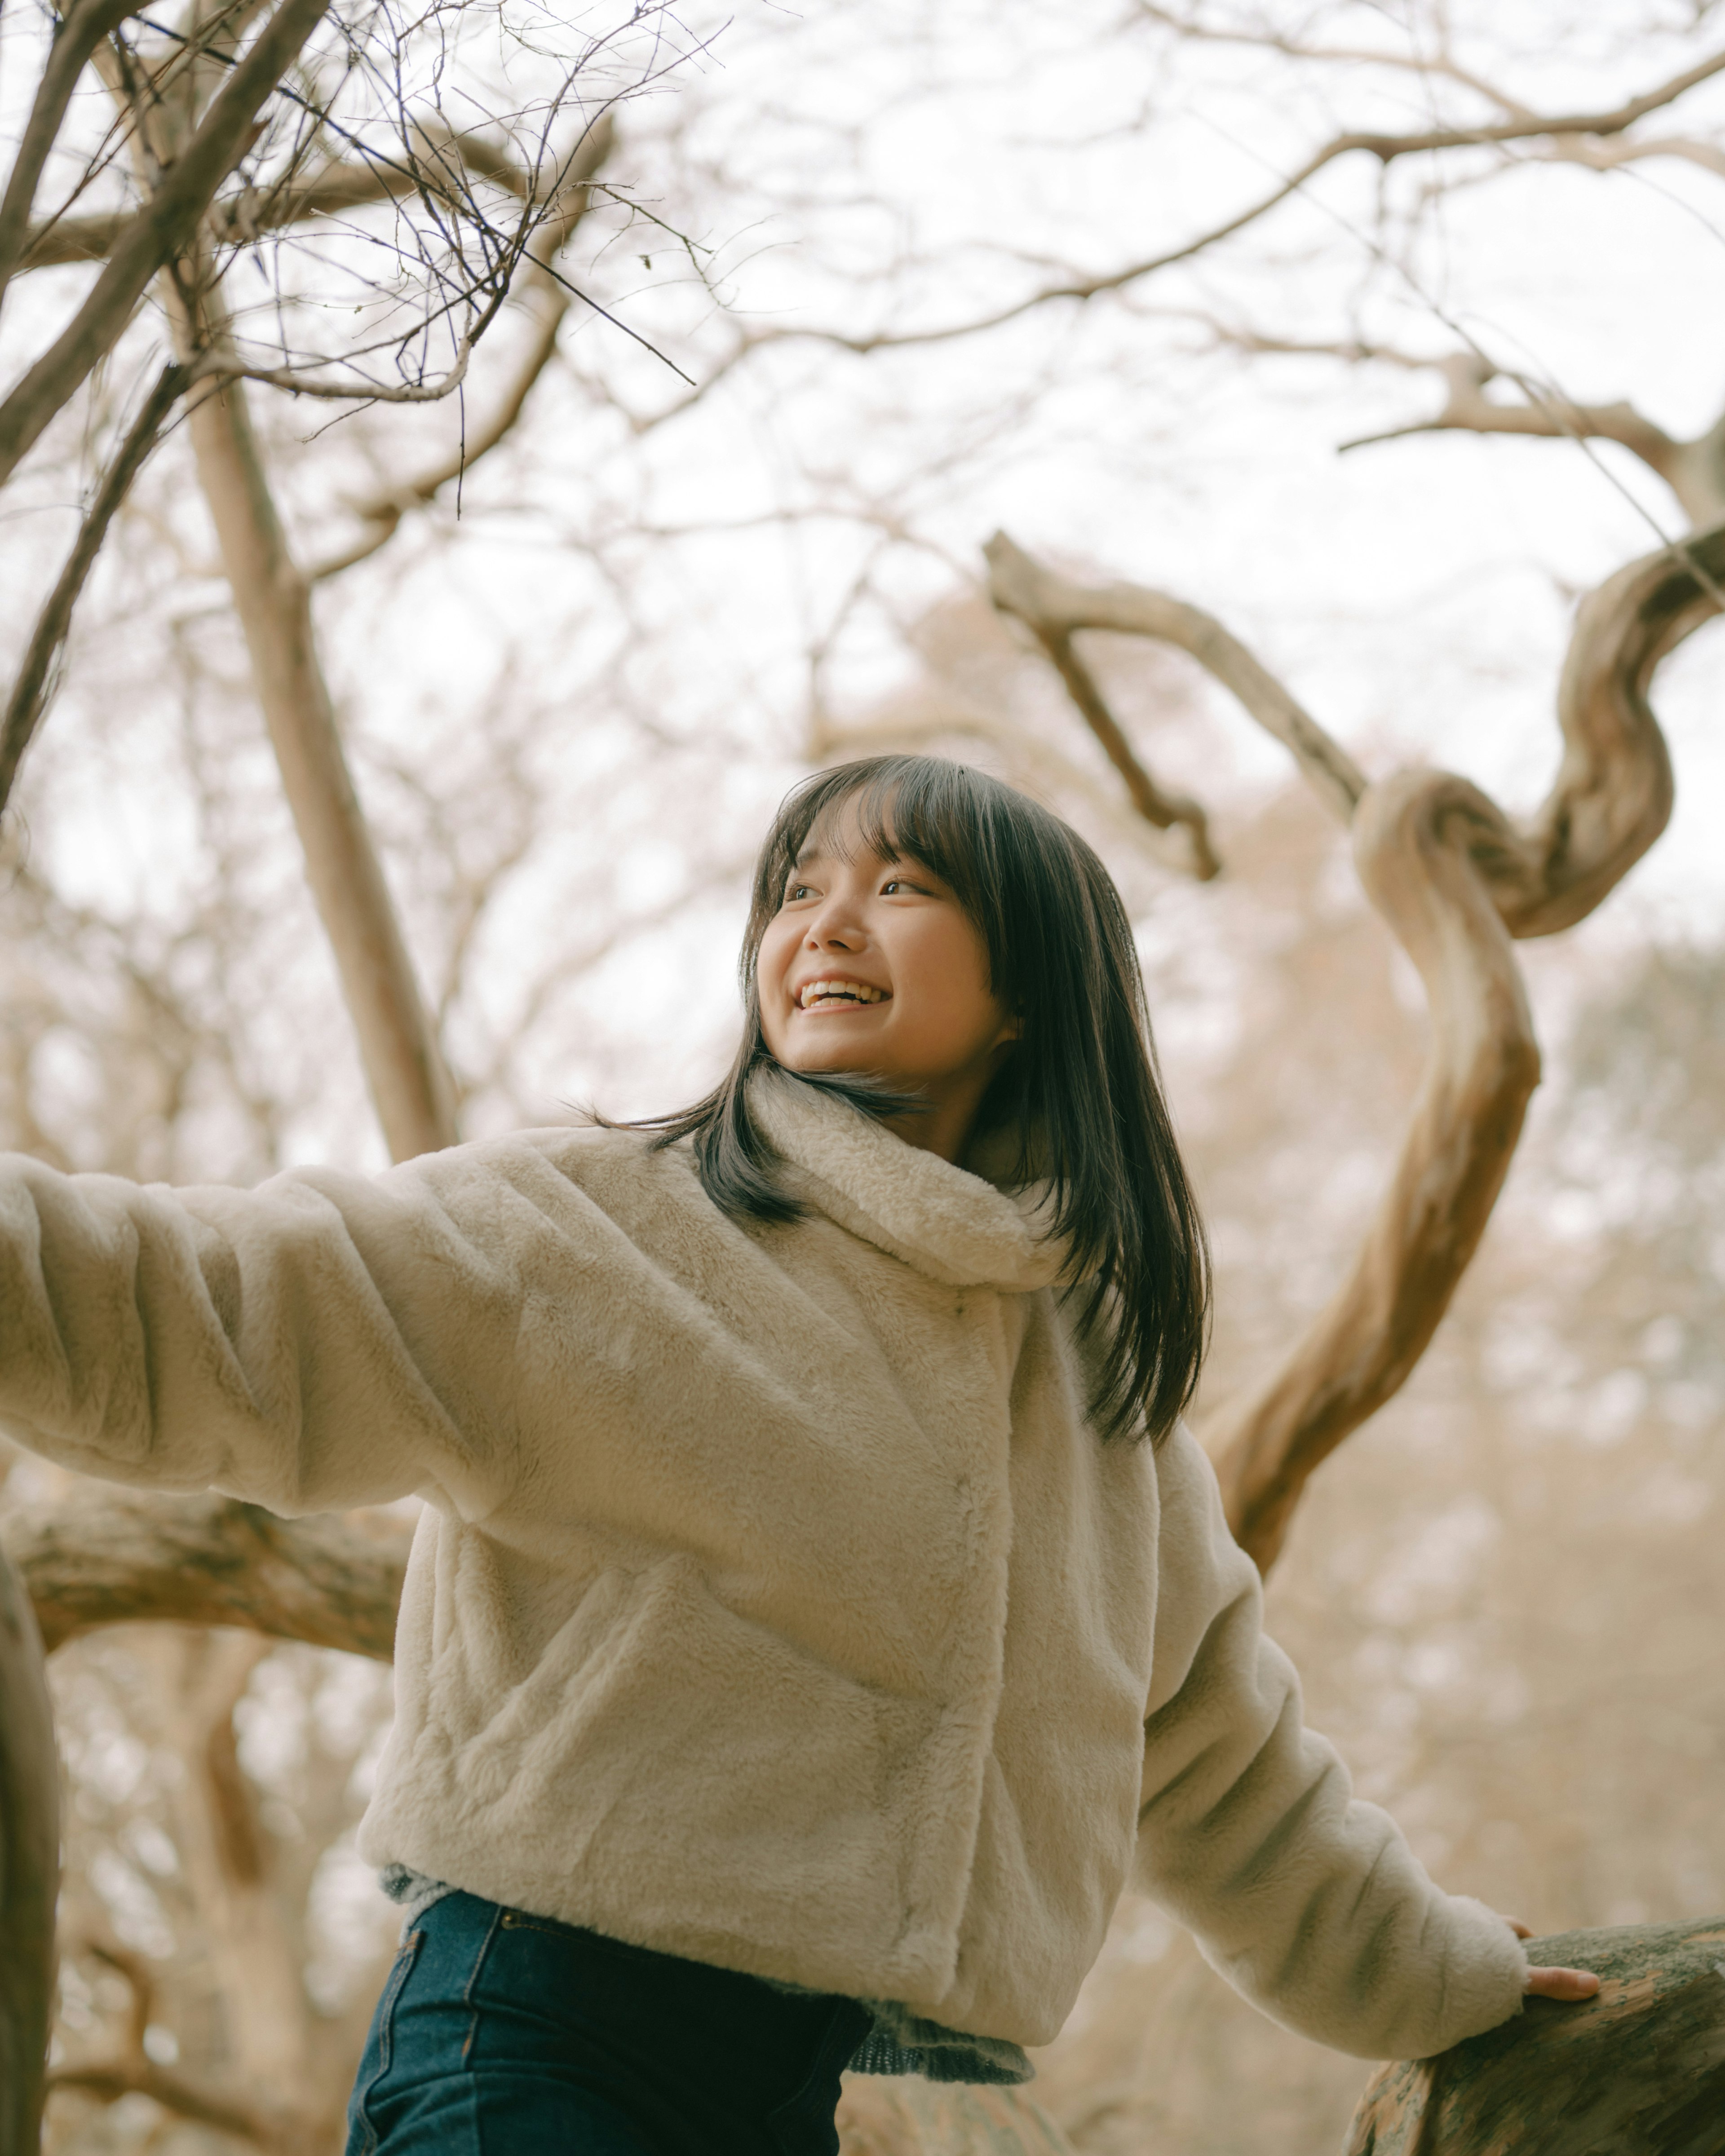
(848, 991)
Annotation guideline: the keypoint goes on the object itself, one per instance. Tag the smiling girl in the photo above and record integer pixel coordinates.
(818, 1613)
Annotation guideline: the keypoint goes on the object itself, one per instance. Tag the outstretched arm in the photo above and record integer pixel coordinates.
(298, 1345)
(1309, 1903)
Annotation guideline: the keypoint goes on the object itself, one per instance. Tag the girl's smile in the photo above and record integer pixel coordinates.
(839, 995)
(870, 965)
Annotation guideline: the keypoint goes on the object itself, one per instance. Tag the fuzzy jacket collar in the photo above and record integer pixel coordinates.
(948, 1224)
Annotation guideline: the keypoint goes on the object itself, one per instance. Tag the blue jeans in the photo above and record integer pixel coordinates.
(501, 2033)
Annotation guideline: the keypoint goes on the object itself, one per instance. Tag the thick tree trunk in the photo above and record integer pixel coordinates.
(29, 1869)
(403, 1065)
(1639, 2071)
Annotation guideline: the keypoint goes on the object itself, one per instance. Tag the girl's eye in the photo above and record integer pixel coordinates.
(797, 891)
(895, 883)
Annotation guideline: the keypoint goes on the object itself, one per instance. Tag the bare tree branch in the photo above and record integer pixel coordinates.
(917, 721)
(1164, 810)
(1612, 796)
(76, 36)
(1612, 154)
(229, 366)
(1441, 62)
(1456, 881)
(1414, 840)
(550, 300)
(1055, 605)
(1386, 148)
(1690, 468)
(332, 1581)
(158, 232)
(343, 185)
(33, 685)
(404, 1063)
(1694, 469)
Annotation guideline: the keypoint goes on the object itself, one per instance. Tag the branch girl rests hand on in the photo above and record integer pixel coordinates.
(818, 1614)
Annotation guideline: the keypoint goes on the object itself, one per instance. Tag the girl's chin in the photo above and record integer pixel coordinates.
(833, 1059)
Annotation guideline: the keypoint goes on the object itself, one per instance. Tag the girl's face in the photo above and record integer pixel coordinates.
(872, 966)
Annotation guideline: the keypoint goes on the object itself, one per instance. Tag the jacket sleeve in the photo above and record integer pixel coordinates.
(1308, 1901)
(320, 1342)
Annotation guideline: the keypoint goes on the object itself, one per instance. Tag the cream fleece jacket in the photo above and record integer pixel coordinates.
(773, 1604)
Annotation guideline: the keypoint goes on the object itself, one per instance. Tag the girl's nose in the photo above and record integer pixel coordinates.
(832, 929)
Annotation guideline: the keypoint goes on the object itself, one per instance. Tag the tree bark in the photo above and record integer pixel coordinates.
(403, 1064)
(1639, 2071)
(1413, 840)
(29, 1869)
(334, 1581)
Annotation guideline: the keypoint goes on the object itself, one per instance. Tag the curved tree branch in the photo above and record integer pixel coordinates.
(1693, 470)
(1164, 810)
(1608, 124)
(1456, 880)
(1413, 842)
(332, 1581)
(1612, 797)
(1054, 606)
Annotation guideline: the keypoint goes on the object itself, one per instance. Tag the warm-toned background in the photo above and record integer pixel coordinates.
(571, 709)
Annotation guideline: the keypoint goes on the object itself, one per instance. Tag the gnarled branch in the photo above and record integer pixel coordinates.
(1456, 880)
(1054, 606)
(1413, 841)
(1612, 795)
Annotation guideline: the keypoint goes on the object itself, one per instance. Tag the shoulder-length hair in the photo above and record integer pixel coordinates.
(1079, 1099)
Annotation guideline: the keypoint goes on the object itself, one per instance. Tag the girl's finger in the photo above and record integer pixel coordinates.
(1562, 1983)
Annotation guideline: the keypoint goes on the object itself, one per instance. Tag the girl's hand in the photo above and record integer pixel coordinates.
(1554, 1982)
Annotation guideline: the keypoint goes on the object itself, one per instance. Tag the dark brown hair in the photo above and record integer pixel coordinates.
(1080, 1092)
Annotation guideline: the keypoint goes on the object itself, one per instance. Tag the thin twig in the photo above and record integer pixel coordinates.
(32, 691)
